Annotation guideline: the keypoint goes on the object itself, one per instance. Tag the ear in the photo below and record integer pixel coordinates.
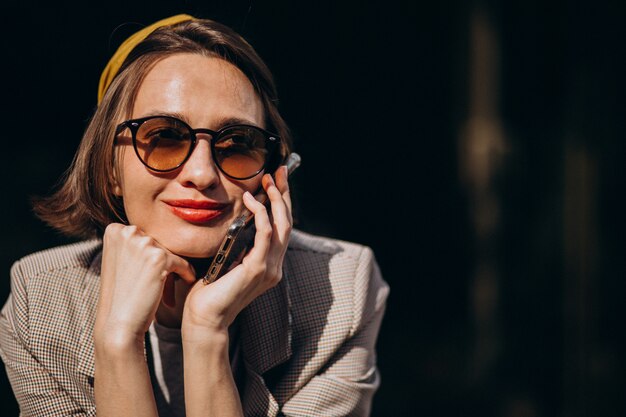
(114, 180)
(116, 189)
(114, 184)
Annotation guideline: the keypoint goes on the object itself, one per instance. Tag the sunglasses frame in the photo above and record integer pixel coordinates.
(271, 141)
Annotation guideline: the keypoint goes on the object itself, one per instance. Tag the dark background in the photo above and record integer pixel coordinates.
(476, 146)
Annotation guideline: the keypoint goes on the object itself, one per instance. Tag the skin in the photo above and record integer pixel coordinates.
(142, 261)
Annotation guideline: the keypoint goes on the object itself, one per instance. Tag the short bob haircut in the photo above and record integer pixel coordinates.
(84, 203)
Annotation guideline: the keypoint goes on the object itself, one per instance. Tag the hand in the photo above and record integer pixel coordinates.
(135, 271)
(210, 309)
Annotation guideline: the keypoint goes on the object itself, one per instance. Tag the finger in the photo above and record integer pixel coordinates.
(181, 267)
(281, 219)
(176, 264)
(283, 185)
(263, 235)
(275, 195)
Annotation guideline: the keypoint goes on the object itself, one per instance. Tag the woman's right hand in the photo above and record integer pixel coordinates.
(135, 271)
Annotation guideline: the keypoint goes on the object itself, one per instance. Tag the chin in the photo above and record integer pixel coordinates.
(200, 251)
(193, 244)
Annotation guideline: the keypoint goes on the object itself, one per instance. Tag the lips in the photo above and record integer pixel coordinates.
(196, 211)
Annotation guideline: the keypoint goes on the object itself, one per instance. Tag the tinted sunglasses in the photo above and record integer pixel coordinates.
(164, 143)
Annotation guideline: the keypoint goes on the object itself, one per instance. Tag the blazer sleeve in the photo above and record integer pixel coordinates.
(34, 387)
(347, 383)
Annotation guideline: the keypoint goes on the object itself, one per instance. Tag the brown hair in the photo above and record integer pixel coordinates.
(84, 204)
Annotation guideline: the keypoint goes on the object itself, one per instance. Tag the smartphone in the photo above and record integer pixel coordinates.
(231, 240)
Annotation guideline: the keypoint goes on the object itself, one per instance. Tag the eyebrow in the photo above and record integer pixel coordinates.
(223, 122)
(229, 121)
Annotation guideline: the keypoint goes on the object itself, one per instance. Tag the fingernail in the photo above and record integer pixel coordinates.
(268, 179)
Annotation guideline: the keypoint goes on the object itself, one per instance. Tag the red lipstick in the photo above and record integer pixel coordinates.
(196, 211)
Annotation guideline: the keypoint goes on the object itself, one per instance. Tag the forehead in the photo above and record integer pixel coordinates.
(203, 89)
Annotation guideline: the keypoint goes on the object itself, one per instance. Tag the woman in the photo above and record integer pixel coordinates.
(186, 131)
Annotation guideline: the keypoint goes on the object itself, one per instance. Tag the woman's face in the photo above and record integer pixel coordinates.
(189, 210)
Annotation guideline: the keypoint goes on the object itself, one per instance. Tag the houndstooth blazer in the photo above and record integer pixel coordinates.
(308, 344)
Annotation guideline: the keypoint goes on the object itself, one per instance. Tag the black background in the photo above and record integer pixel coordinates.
(377, 94)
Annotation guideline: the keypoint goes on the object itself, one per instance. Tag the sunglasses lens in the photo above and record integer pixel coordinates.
(241, 151)
(163, 143)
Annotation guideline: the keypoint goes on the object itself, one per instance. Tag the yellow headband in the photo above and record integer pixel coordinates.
(110, 71)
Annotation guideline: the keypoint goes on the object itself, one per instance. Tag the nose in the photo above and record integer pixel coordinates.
(200, 171)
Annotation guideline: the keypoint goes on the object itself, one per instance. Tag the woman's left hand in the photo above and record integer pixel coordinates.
(210, 309)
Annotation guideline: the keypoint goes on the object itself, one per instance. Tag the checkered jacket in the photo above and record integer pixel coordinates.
(308, 344)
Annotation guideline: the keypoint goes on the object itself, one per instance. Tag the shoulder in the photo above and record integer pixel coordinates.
(307, 243)
(48, 291)
(77, 255)
(342, 259)
(56, 272)
(334, 274)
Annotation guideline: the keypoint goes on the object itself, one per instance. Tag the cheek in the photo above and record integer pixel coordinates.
(136, 184)
(237, 188)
